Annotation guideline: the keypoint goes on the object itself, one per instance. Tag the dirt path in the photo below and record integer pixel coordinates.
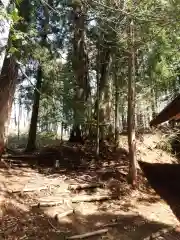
(132, 214)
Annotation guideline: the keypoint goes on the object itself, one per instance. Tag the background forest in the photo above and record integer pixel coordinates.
(80, 82)
(92, 69)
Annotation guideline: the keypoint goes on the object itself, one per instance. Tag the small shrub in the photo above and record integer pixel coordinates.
(170, 142)
(164, 145)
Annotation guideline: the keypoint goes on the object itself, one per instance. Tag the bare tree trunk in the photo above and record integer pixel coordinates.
(62, 128)
(105, 61)
(4, 33)
(98, 129)
(31, 144)
(80, 65)
(116, 108)
(153, 103)
(131, 106)
(8, 81)
(19, 116)
(124, 123)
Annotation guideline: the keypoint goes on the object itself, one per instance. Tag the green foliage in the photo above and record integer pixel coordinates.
(44, 136)
(15, 15)
(18, 2)
(156, 41)
(13, 50)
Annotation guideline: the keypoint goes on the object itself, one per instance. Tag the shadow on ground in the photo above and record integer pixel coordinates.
(20, 221)
(164, 178)
(79, 162)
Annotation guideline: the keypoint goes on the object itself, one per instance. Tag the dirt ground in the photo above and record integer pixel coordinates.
(112, 206)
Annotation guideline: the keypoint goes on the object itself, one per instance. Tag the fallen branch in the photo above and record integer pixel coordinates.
(90, 198)
(85, 186)
(20, 165)
(52, 225)
(89, 234)
(58, 216)
(10, 161)
(74, 200)
(47, 204)
(111, 224)
(30, 189)
(22, 157)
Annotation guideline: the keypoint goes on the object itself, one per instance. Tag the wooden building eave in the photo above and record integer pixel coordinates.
(170, 112)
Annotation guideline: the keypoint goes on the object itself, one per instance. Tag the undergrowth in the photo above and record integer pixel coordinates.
(170, 141)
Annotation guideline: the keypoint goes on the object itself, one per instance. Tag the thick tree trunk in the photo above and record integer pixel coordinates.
(105, 91)
(31, 145)
(76, 134)
(80, 63)
(8, 81)
(4, 33)
(131, 107)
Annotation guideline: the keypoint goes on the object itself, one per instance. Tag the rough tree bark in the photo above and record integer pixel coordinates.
(153, 101)
(4, 32)
(8, 81)
(19, 117)
(97, 76)
(80, 67)
(131, 105)
(105, 62)
(31, 144)
(116, 106)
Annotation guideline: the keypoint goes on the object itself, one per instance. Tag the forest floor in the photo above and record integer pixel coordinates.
(85, 194)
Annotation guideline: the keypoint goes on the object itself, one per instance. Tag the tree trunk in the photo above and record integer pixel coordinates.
(79, 63)
(116, 108)
(62, 128)
(124, 125)
(19, 116)
(76, 134)
(105, 93)
(153, 103)
(4, 33)
(31, 145)
(97, 93)
(8, 81)
(131, 106)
